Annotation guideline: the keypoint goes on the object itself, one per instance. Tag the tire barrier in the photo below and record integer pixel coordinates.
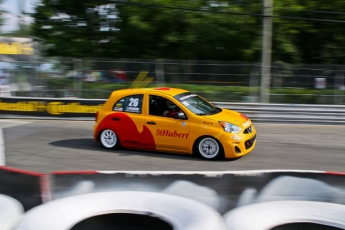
(29, 188)
(78, 196)
(20, 191)
(267, 215)
(181, 213)
(85, 109)
(11, 210)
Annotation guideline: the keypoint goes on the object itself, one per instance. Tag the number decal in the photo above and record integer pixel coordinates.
(185, 103)
(133, 102)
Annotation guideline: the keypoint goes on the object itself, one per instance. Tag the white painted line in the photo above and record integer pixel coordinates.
(210, 173)
(2, 149)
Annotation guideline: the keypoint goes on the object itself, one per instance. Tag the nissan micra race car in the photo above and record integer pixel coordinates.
(172, 120)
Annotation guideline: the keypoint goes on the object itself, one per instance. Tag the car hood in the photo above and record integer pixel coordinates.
(228, 116)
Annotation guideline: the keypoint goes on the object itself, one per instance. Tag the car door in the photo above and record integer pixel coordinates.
(169, 133)
(128, 121)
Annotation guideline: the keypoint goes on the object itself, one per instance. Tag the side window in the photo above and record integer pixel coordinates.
(160, 106)
(131, 104)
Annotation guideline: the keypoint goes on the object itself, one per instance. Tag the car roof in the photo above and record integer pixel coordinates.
(164, 90)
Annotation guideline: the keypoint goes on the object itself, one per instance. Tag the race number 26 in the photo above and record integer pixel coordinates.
(133, 102)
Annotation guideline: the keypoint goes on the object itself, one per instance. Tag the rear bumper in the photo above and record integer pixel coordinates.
(95, 133)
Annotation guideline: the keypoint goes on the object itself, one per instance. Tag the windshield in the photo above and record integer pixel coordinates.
(196, 104)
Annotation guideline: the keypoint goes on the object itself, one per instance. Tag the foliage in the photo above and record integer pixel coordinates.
(193, 30)
(78, 28)
(1, 14)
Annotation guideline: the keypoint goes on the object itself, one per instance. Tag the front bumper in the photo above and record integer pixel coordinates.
(237, 145)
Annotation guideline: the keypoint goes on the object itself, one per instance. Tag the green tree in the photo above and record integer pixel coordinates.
(323, 41)
(78, 28)
(312, 34)
(193, 29)
(94, 28)
(196, 33)
(1, 14)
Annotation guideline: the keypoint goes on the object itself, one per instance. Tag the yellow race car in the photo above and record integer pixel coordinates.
(172, 120)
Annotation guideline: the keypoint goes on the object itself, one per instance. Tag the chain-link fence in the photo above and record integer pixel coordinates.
(218, 81)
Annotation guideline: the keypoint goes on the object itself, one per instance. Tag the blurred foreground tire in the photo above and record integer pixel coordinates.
(267, 215)
(179, 212)
(11, 210)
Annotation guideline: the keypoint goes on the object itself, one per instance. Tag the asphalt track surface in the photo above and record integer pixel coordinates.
(51, 145)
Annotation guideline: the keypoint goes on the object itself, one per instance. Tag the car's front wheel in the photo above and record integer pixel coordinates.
(209, 148)
(109, 139)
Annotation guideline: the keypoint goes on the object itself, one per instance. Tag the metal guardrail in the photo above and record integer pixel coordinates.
(257, 112)
(290, 113)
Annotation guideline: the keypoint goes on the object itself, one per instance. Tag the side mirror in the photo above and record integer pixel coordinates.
(180, 115)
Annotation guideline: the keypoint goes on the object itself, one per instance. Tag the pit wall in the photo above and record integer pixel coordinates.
(39, 200)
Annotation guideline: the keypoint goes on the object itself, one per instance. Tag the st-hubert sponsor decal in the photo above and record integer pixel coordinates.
(168, 133)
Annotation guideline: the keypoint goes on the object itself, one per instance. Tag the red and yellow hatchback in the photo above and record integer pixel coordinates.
(172, 120)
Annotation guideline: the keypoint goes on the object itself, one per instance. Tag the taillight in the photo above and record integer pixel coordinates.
(96, 116)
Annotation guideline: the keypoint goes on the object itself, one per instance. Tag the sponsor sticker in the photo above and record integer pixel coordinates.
(118, 109)
(132, 109)
(169, 133)
(207, 122)
(187, 96)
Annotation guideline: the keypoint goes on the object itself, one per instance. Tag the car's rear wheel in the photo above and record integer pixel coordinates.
(209, 148)
(109, 139)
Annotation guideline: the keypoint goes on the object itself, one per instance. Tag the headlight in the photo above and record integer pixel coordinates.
(228, 127)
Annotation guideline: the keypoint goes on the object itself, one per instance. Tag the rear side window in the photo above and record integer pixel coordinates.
(131, 104)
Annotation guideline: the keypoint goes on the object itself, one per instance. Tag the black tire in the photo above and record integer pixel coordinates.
(109, 139)
(209, 148)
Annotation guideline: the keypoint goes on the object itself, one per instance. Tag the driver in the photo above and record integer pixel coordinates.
(170, 109)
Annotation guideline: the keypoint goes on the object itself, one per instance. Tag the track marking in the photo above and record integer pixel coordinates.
(6, 123)
(2, 149)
